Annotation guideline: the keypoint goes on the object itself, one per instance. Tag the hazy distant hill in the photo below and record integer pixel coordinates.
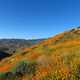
(10, 45)
(57, 58)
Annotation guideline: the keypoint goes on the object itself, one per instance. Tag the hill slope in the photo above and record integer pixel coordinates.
(57, 58)
(8, 47)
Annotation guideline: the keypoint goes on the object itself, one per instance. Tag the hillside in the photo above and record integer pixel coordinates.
(8, 47)
(57, 58)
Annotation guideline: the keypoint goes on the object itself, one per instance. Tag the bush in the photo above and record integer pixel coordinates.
(24, 67)
(10, 76)
(2, 75)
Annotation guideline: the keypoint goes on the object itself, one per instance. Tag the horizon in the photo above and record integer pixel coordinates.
(73, 27)
(37, 19)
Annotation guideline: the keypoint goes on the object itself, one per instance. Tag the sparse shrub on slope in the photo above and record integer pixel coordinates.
(21, 68)
(26, 67)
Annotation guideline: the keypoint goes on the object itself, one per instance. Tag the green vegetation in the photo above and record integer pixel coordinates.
(25, 67)
(21, 68)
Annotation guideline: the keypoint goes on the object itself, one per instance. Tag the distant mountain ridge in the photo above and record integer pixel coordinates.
(10, 45)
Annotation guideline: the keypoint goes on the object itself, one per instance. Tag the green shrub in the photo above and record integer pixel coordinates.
(25, 67)
(2, 75)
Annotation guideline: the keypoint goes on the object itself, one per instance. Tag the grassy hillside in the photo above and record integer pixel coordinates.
(9, 47)
(57, 58)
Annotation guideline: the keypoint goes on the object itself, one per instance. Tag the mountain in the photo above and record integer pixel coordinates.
(57, 58)
(10, 45)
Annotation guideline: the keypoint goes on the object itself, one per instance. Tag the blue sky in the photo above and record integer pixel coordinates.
(37, 18)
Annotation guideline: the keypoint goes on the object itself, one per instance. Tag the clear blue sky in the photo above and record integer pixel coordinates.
(37, 18)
